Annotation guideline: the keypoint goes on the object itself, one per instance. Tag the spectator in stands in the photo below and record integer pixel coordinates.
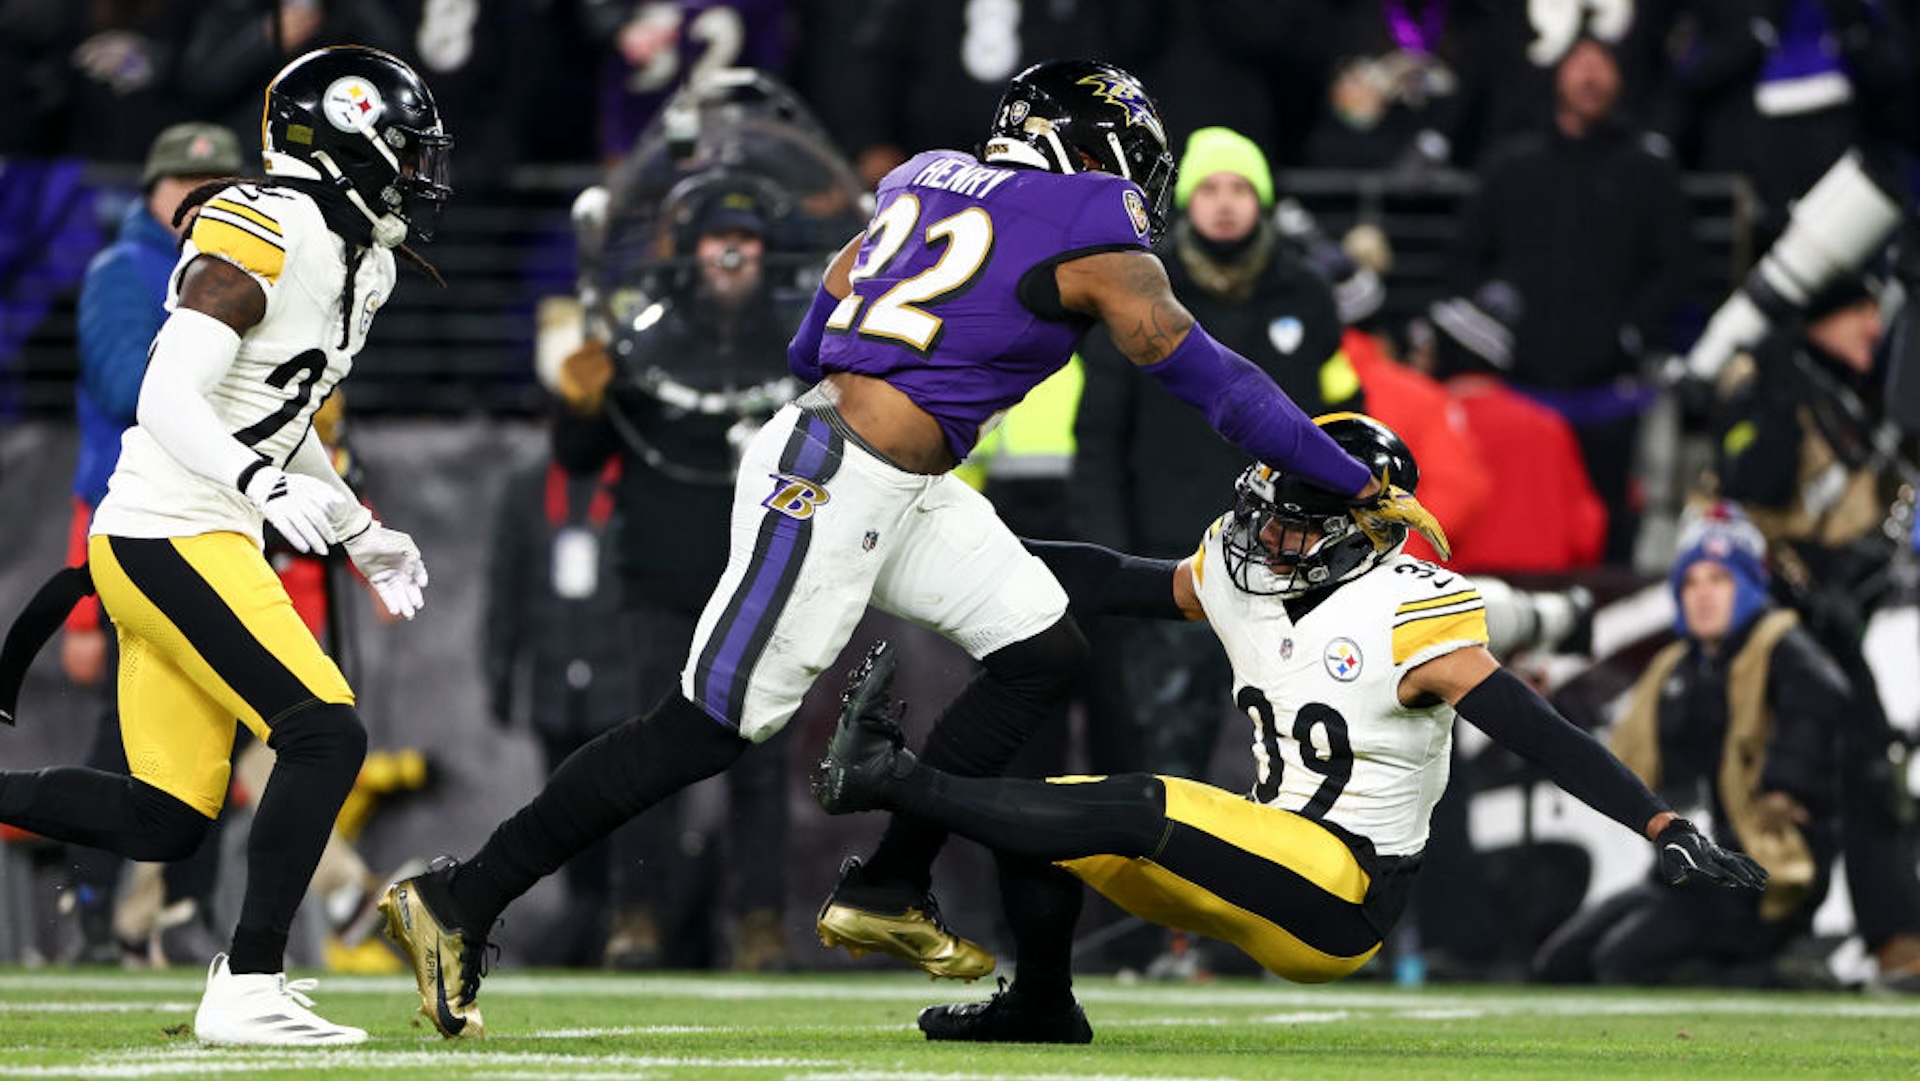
(1398, 395)
(673, 400)
(1806, 451)
(923, 72)
(1406, 76)
(651, 48)
(1589, 222)
(1138, 452)
(234, 47)
(1777, 92)
(122, 304)
(485, 60)
(558, 650)
(1559, 524)
(36, 37)
(1739, 710)
(1521, 48)
(1259, 69)
(121, 87)
(1458, 483)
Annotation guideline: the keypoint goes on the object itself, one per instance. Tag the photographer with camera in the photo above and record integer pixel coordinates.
(673, 396)
(1808, 451)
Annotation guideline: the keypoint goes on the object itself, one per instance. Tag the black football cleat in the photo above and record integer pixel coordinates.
(868, 750)
(1006, 1018)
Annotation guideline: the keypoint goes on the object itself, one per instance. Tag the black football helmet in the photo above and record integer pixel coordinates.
(1072, 116)
(1269, 544)
(361, 120)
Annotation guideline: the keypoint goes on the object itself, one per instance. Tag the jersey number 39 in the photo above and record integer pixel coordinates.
(1315, 726)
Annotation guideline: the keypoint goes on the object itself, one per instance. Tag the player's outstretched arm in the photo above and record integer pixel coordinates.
(1128, 291)
(1101, 581)
(1511, 712)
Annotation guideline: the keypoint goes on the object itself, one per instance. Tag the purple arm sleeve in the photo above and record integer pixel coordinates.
(803, 352)
(1250, 411)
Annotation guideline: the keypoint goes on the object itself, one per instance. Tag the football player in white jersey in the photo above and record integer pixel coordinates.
(276, 286)
(1351, 659)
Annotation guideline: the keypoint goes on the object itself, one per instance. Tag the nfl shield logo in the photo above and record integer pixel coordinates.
(1285, 333)
(1137, 211)
(1286, 649)
(868, 542)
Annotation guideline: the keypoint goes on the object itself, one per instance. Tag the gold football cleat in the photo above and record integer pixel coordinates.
(913, 935)
(446, 965)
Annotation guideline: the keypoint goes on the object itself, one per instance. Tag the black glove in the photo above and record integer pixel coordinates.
(1686, 854)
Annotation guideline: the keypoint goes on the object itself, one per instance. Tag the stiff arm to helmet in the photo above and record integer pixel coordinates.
(1288, 534)
(1386, 517)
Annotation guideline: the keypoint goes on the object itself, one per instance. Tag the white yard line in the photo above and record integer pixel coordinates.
(26, 991)
(197, 1061)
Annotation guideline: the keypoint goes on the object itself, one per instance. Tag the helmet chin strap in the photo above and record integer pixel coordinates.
(389, 230)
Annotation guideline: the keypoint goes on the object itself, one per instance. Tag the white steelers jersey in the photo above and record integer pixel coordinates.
(1331, 740)
(287, 364)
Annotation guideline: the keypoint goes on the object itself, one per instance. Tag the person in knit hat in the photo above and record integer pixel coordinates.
(1738, 715)
(1723, 537)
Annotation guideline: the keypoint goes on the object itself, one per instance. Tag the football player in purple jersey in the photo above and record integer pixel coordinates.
(971, 284)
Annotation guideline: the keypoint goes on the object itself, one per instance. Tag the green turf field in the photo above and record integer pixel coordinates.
(573, 1027)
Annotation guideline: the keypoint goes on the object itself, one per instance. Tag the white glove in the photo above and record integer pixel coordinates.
(391, 562)
(296, 505)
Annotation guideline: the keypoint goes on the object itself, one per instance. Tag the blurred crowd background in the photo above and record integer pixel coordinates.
(1494, 223)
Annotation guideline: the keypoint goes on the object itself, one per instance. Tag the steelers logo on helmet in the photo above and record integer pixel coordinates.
(1137, 212)
(352, 104)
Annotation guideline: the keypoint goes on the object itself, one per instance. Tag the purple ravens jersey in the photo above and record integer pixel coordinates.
(936, 307)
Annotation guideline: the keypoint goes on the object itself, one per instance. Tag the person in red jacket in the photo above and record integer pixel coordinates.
(1458, 484)
(1549, 517)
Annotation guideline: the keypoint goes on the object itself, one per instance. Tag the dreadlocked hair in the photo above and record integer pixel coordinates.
(354, 253)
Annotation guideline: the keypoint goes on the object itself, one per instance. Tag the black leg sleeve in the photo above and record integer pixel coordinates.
(195, 877)
(1115, 816)
(620, 773)
(318, 752)
(1020, 687)
(105, 810)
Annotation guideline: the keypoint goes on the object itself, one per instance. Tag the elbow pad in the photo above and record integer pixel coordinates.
(1250, 411)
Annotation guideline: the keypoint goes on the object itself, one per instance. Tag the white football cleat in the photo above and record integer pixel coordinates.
(261, 1009)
